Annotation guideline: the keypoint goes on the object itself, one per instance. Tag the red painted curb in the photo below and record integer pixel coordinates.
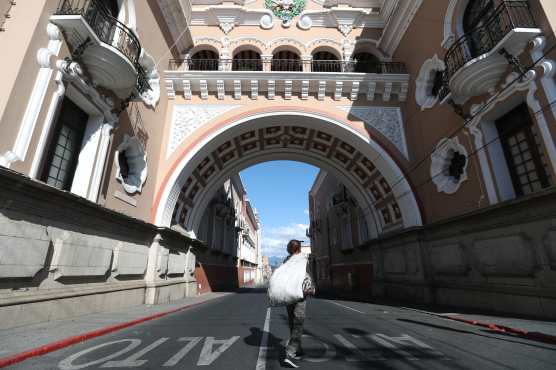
(54, 346)
(506, 329)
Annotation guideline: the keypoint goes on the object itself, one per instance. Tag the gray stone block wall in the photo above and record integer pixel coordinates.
(61, 255)
(501, 258)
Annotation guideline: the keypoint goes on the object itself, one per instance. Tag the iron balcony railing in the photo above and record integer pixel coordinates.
(286, 65)
(508, 15)
(109, 30)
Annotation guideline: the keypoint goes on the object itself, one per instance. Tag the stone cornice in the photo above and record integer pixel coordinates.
(397, 25)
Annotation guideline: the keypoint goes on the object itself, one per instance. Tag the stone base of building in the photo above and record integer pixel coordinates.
(62, 256)
(501, 258)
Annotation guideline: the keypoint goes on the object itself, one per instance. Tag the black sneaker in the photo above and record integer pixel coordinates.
(288, 361)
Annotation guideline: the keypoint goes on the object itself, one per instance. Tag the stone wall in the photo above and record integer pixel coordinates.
(61, 255)
(501, 258)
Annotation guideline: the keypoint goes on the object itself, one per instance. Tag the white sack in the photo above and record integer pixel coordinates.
(286, 283)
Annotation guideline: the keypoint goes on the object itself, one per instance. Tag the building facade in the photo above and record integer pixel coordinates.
(436, 116)
(231, 230)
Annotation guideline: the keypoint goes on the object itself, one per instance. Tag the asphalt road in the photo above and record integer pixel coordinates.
(228, 333)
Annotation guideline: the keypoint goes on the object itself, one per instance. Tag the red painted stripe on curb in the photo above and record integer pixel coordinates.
(54, 346)
(506, 329)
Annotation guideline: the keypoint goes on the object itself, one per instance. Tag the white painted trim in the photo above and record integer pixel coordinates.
(87, 156)
(96, 178)
(36, 99)
(55, 102)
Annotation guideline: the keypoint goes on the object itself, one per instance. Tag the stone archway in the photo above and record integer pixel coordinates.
(365, 167)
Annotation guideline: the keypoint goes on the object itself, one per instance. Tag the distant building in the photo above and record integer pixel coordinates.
(230, 227)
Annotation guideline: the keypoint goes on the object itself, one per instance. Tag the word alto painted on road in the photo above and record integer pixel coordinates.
(208, 354)
(403, 346)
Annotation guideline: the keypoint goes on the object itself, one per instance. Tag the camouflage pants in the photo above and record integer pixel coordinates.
(296, 316)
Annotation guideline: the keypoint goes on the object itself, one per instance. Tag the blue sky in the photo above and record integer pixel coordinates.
(279, 191)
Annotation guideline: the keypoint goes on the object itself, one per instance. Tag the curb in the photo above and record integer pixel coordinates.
(54, 346)
(506, 329)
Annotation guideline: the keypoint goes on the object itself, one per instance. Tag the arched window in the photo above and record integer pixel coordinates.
(247, 60)
(204, 60)
(366, 63)
(324, 61)
(476, 17)
(286, 61)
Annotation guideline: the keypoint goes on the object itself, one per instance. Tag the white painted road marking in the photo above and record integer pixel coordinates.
(192, 342)
(208, 355)
(263, 350)
(214, 348)
(359, 355)
(67, 364)
(349, 308)
(383, 341)
(329, 353)
(134, 360)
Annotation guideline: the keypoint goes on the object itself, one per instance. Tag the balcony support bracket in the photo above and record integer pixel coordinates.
(514, 62)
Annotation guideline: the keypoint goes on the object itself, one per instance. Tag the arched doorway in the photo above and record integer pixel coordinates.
(366, 168)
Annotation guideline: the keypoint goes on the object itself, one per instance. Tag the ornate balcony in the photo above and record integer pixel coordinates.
(274, 77)
(108, 49)
(477, 62)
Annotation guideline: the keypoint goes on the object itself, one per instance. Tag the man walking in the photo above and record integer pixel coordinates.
(296, 312)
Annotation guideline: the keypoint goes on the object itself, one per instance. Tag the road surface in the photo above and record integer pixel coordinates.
(229, 333)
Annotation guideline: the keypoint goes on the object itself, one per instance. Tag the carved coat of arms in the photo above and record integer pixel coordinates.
(286, 10)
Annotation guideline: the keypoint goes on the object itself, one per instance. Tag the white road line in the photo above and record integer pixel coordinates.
(349, 308)
(261, 361)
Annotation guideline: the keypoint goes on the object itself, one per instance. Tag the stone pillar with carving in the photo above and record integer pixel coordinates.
(306, 61)
(347, 53)
(225, 63)
(267, 62)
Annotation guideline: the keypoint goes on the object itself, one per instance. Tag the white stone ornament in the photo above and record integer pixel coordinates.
(136, 159)
(386, 120)
(305, 22)
(226, 27)
(345, 29)
(188, 118)
(441, 160)
(266, 22)
(425, 82)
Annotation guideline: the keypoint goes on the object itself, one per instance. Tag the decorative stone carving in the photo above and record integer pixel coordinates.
(152, 95)
(226, 27)
(345, 29)
(449, 165)
(131, 164)
(266, 22)
(425, 82)
(386, 120)
(286, 10)
(187, 118)
(305, 22)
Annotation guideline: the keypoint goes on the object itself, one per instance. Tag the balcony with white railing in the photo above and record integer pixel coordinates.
(477, 62)
(107, 48)
(287, 78)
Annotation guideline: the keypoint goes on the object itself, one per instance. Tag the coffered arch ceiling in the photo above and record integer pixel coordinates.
(360, 162)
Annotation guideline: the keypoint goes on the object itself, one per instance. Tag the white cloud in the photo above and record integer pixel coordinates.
(275, 239)
(306, 212)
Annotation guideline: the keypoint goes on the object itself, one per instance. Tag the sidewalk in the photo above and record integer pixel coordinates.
(24, 338)
(536, 329)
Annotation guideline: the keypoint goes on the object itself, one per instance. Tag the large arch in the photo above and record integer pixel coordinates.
(360, 161)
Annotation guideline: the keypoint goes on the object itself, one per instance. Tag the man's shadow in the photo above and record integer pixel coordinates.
(274, 343)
